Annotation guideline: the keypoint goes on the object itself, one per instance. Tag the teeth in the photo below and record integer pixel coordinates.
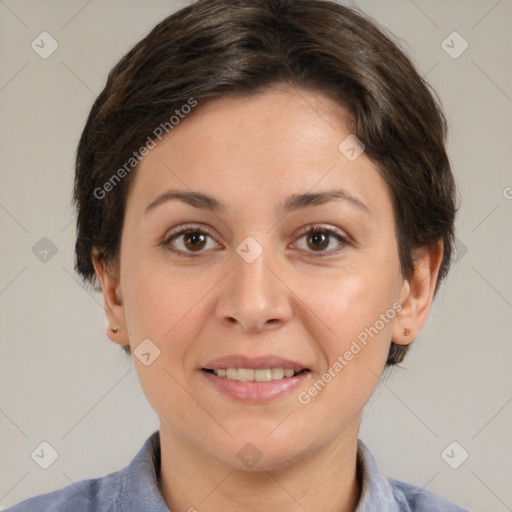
(277, 373)
(250, 375)
(262, 375)
(245, 375)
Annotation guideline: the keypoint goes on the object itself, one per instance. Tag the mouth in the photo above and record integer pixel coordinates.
(254, 380)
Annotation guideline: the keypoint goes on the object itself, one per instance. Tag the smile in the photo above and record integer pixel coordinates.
(255, 380)
(252, 375)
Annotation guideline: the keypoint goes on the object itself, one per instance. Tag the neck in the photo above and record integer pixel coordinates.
(326, 480)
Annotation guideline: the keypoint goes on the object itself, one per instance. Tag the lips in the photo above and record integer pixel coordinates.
(254, 380)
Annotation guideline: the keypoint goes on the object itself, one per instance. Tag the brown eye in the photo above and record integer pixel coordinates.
(194, 241)
(190, 241)
(322, 240)
(318, 240)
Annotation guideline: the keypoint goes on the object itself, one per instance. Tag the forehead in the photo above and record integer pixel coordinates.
(260, 147)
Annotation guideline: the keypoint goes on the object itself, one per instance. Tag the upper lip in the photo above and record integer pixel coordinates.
(256, 363)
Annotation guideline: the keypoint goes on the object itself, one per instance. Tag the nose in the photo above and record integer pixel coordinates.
(254, 296)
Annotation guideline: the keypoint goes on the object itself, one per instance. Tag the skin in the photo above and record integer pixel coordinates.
(252, 153)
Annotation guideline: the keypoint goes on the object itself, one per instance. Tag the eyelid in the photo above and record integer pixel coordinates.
(179, 230)
(321, 227)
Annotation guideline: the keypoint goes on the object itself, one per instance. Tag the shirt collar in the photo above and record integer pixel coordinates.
(139, 481)
(140, 490)
(376, 490)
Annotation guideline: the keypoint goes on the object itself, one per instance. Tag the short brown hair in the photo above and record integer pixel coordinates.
(217, 48)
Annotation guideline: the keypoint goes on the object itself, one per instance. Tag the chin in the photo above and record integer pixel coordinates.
(262, 454)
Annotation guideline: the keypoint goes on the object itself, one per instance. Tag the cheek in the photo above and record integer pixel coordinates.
(160, 298)
(356, 352)
(343, 305)
(358, 306)
(164, 305)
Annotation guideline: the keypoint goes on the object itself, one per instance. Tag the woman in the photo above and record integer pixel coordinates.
(264, 196)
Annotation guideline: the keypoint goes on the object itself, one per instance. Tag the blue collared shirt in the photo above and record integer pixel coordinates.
(135, 489)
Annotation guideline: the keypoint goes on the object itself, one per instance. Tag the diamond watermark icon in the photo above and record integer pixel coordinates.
(44, 45)
(249, 249)
(249, 455)
(44, 250)
(459, 250)
(454, 45)
(454, 455)
(147, 352)
(351, 147)
(44, 455)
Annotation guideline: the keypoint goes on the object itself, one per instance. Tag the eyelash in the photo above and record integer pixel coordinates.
(190, 228)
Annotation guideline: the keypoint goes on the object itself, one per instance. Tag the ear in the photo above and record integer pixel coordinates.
(112, 298)
(417, 294)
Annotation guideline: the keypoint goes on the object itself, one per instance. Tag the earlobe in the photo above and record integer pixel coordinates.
(417, 294)
(112, 299)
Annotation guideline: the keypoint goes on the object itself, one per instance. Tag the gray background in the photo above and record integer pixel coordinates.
(64, 382)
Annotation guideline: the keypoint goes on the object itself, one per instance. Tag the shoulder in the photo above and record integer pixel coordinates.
(413, 498)
(92, 495)
(383, 493)
(130, 489)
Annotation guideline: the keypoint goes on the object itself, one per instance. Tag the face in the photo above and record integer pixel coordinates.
(289, 267)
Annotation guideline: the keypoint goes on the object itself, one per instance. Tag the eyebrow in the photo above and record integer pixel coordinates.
(292, 203)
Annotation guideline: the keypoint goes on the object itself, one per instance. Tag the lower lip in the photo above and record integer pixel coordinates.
(255, 392)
